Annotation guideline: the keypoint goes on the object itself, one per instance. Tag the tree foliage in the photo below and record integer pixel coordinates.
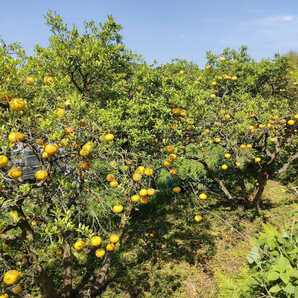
(92, 137)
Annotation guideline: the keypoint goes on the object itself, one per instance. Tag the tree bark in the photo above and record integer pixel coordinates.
(262, 181)
(285, 167)
(46, 284)
(67, 280)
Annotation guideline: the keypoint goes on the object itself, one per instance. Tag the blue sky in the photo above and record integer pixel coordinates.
(165, 29)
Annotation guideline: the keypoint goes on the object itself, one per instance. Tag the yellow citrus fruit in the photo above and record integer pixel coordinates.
(114, 183)
(166, 163)
(79, 245)
(108, 137)
(3, 161)
(291, 122)
(173, 171)
(151, 191)
(143, 192)
(248, 146)
(114, 238)
(198, 218)
(227, 155)
(110, 247)
(29, 81)
(95, 241)
(14, 215)
(144, 200)
(45, 155)
(60, 112)
(15, 137)
(140, 170)
(177, 189)
(148, 172)
(113, 164)
(172, 157)
(100, 253)
(217, 140)
(243, 146)
(48, 80)
(224, 167)
(296, 116)
(170, 149)
(86, 149)
(4, 295)
(41, 175)
(69, 130)
(84, 165)
(117, 209)
(136, 177)
(203, 196)
(17, 289)
(15, 173)
(11, 277)
(135, 198)
(110, 178)
(258, 159)
(51, 149)
(17, 104)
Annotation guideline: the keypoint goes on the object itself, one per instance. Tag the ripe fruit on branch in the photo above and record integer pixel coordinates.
(108, 137)
(198, 218)
(291, 122)
(257, 159)
(224, 167)
(170, 149)
(11, 277)
(114, 238)
(86, 149)
(117, 209)
(17, 290)
(3, 161)
(136, 177)
(15, 137)
(110, 177)
(228, 155)
(95, 241)
(51, 149)
(114, 184)
(29, 81)
(148, 172)
(143, 192)
(48, 80)
(100, 253)
(15, 172)
(17, 104)
(110, 247)
(177, 189)
(41, 175)
(151, 192)
(217, 140)
(79, 245)
(135, 198)
(203, 196)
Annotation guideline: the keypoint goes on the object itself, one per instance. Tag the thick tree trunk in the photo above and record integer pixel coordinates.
(46, 285)
(67, 280)
(262, 181)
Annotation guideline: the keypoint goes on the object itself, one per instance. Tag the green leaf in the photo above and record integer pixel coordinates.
(275, 289)
(272, 276)
(289, 289)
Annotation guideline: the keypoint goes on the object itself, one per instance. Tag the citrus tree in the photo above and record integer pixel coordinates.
(88, 129)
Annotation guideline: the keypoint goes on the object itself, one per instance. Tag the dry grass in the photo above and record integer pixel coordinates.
(232, 247)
